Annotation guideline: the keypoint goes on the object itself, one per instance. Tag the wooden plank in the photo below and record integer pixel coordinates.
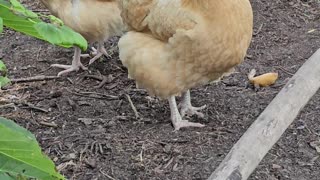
(247, 153)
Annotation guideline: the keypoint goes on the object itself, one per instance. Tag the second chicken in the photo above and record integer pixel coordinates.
(96, 20)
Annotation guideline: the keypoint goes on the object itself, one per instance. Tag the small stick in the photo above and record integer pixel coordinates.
(132, 106)
(8, 105)
(105, 174)
(29, 105)
(33, 79)
(48, 124)
(93, 95)
(259, 29)
(103, 80)
(286, 71)
(98, 94)
(34, 107)
(100, 78)
(168, 164)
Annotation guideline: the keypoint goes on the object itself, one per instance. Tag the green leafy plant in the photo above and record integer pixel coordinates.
(1, 25)
(17, 17)
(3, 75)
(21, 156)
(3, 70)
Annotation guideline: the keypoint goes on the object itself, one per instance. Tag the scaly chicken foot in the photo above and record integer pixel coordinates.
(93, 53)
(98, 52)
(176, 119)
(187, 108)
(75, 66)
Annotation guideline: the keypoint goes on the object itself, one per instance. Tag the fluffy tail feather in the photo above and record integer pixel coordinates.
(166, 68)
(146, 60)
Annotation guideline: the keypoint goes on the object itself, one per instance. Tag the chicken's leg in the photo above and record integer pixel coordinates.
(75, 66)
(187, 108)
(101, 50)
(176, 117)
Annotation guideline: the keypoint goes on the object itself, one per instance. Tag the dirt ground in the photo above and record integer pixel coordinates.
(92, 133)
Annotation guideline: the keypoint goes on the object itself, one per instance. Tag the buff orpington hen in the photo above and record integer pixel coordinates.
(96, 20)
(174, 45)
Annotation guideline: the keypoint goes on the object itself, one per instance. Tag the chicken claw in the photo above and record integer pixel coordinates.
(98, 52)
(176, 119)
(188, 109)
(75, 66)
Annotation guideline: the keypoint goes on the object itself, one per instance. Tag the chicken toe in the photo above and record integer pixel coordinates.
(177, 121)
(75, 66)
(98, 52)
(185, 123)
(190, 110)
(187, 108)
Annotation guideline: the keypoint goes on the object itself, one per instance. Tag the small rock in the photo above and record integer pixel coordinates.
(86, 121)
(301, 127)
(72, 156)
(53, 104)
(167, 148)
(315, 145)
(55, 94)
(112, 123)
(276, 166)
(91, 162)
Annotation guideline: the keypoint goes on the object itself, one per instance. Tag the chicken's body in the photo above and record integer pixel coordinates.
(175, 45)
(96, 20)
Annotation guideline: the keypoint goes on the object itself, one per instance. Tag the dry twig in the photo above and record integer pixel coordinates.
(133, 107)
(107, 175)
(34, 78)
(8, 105)
(34, 107)
(48, 124)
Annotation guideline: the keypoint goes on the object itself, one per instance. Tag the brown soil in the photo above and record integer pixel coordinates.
(98, 137)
